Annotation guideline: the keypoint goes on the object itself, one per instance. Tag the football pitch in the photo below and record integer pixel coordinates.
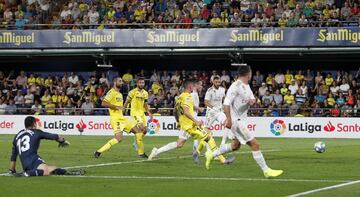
(120, 173)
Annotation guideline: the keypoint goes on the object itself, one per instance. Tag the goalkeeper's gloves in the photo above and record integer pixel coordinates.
(63, 144)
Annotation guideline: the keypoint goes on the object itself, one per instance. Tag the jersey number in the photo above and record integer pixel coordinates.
(23, 144)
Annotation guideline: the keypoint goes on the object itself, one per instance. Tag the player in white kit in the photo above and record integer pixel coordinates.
(237, 101)
(214, 113)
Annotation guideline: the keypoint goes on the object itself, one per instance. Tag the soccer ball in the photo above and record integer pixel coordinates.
(319, 147)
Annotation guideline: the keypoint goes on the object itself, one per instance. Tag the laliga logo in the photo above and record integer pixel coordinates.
(277, 127)
(153, 126)
(81, 126)
(329, 127)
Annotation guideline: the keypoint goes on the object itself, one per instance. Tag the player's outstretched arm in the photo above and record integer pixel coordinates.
(14, 153)
(62, 142)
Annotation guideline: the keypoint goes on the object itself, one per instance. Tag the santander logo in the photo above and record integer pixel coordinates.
(81, 126)
(329, 127)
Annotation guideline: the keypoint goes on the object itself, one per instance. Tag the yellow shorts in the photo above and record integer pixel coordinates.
(120, 124)
(198, 133)
(140, 119)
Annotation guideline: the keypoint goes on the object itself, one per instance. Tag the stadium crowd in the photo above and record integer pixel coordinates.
(280, 93)
(108, 14)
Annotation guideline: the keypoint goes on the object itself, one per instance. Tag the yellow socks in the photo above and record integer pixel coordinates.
(140, 143)
(213, 147)
(108, 145)
(200, 146)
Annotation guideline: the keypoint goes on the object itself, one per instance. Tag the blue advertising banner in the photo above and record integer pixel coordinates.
(226, 37)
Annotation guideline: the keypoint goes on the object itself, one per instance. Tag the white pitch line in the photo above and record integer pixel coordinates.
(202, 178)
(324, 188)
(141, 161)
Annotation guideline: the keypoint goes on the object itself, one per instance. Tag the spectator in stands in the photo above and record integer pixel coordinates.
(11, 107)
(50, 107)
(319, 97)
(156, 86)
(309, 78)
(279, 78)
(267, 99)
(36, 108)
(21, 80)
(87, 106)
(127, 77)
(344, 87)
(288, 99)
(259, 78)
(29, 99)
(335, 112)
(69, 108)
(293, 108)
(2, 106)
(340, 100)
(278, 98)
(329, 79)
(225, 77)
(300, 97)
(93, 17)
(316, 112)
(293, 87)
(73, 78)
(65, 12)
(155, 105)
(304, 89)
(263, 89)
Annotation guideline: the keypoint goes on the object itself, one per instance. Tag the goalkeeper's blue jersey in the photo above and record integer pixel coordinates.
(26, 144)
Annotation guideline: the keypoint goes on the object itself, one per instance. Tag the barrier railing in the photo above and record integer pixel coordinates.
(255, 112)
(175, 25)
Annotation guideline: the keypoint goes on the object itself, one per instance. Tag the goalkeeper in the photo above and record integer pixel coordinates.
(26, 144)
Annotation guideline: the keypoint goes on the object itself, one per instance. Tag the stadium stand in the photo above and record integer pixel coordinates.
(325, 93)
(86, 14)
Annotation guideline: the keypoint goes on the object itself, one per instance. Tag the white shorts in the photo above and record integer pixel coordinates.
(241, 132)
(214, 115)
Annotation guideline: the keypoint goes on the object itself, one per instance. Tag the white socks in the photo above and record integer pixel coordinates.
(225, 135)
(167, 147)
(196, 143)
(224, 148)
(259, 158)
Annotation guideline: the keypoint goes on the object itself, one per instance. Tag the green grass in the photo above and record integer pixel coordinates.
(339, 163)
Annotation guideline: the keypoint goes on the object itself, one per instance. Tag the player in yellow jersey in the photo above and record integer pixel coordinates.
(137, 98)
(185, 117)
(114, 101)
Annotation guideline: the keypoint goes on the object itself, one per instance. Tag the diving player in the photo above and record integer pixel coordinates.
(26, 144)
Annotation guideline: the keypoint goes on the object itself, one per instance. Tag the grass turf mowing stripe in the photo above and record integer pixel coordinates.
(324, 188)
(204, 178)
(144, 160)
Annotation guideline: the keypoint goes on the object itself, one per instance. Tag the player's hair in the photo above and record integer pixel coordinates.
(216, 78)
(243, 71)
(29, 121)
(187, 82)
(141, 79)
